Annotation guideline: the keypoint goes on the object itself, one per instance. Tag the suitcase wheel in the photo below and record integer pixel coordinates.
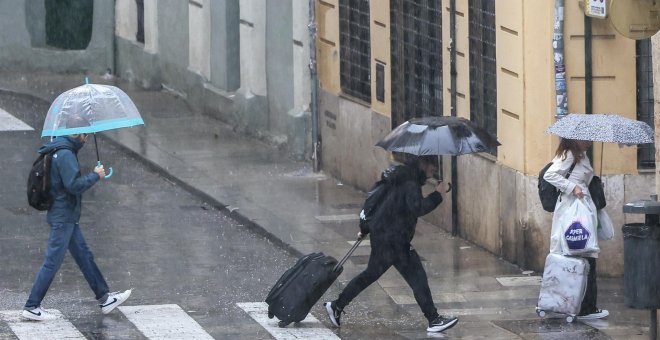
(282, 324)
(270, 315)
(570, 318)
(540, 312)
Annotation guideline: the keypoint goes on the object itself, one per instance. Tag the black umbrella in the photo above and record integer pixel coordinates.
(443, 135)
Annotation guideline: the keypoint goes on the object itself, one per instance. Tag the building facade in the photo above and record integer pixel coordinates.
(381, 63)
(245, 62)
(62, 36)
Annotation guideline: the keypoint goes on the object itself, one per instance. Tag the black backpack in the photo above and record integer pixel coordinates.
(548, 193)
(38, 183)
(374, 197)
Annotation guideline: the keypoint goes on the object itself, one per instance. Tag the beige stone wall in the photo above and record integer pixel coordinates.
(349, 132)
(380, 53)
(614, 81)
(327, 45)
(462, 61)
(511, 91)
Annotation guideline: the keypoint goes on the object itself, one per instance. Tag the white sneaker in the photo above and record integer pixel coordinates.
(38, 314)
(598, 314)
(114, 299)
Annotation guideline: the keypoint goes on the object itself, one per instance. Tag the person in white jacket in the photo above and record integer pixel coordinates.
(576, 186)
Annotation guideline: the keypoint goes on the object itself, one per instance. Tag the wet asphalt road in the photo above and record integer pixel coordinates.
(147, 234)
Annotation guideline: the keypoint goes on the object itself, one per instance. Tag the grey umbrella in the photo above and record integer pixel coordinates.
(443, 135)
(608, 128)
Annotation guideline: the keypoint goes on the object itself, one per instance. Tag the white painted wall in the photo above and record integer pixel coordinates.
(150, 26)
(199, 33)
(126, 22)
(126, 19)
(253, 46)
(301, 73)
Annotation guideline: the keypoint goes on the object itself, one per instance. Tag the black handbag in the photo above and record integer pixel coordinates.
(597, 192)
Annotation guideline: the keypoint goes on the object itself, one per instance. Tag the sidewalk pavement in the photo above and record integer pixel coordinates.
(309, 212)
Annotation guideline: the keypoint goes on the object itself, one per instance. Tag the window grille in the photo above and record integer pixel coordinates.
(416, 57)
(355, 48)
(645, 152)
(483, 68)
(416, 61)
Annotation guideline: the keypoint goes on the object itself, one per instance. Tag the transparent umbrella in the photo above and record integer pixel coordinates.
(90, 108)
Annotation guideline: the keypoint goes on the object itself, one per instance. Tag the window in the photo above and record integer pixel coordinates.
(355, 51)
(483, 76)
(416, 48)
(69, 23)
(645, 152)
(139, 36)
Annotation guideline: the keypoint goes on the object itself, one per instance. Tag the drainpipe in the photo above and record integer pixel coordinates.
(314, 84)
(114, 41)
(560, 68)
(588, 78)
(453, 73)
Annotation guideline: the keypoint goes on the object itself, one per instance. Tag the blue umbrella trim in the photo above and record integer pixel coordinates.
(95, 127)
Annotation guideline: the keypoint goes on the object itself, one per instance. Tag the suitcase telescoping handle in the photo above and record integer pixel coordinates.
(350, 252)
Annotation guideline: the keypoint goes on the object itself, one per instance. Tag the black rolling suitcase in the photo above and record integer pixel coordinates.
(301, 286)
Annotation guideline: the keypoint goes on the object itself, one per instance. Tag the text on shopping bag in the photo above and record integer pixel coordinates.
(577, 236)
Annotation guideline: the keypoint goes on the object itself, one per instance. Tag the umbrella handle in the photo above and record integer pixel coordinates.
(109, 173)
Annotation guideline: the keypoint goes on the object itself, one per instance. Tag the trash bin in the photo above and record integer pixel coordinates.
(641, 260)
(641, 256)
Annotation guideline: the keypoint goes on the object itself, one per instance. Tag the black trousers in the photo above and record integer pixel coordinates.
(407, 262)
(590, 296)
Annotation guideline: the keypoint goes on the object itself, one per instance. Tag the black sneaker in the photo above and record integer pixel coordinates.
(441, 323)
(333, 313)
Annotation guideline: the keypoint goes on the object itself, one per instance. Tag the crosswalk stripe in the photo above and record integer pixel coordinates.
(39, 330)
(310, 328)
(164, 322)
(11, 123)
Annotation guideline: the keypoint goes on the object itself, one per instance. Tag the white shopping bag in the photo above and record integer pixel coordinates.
(578, 229)
(605, 226)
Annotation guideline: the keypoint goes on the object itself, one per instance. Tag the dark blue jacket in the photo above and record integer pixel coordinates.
(66, 182)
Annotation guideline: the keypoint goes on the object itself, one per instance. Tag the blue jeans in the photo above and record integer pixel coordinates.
(65, 236)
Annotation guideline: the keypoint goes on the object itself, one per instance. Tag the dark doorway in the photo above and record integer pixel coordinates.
(69, 23)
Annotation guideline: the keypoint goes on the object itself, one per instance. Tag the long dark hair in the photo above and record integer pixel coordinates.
(571, 145)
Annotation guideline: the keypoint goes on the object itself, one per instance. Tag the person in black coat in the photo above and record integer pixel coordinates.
(392, 228)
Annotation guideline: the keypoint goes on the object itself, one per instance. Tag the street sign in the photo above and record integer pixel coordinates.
(635, 19)
(595, 8)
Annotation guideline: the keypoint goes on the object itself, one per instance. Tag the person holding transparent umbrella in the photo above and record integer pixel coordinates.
(71, 118)
(67, 185)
